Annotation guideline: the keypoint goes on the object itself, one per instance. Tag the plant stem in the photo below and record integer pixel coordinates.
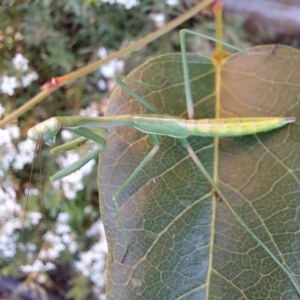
(62, 80)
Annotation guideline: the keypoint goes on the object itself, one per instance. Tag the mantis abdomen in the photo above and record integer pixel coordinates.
(234, 126)
(181, 128)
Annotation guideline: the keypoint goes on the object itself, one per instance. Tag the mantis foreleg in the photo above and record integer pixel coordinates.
(76, 165)
(86, 135)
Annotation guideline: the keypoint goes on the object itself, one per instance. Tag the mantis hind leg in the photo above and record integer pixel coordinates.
(148, 157)
(134, 95)
(198, 163)
(188, 92)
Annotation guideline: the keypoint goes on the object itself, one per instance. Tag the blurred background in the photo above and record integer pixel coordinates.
(58, 250)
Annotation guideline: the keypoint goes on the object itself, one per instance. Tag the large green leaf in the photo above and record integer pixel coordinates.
(183, 244)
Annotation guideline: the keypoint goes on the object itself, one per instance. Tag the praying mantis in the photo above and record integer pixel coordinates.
(171, 127)
(153, 125)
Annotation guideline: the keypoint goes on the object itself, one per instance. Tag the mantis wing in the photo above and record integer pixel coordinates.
(182, 241)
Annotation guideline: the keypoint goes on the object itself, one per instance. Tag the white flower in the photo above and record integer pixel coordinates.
(38, 266)
(35, 217)
(127, 3)
(25, 155)
(62, 228)
(54, 251)
(101, 84)
(2, 110)
(63, 217)
(29, 247)
(20, 62)
(88, 209)
(8, 84)
(28, 78)
(112, 67)
(96, 229)
(41, 278)
(172, 2)
(89, 111)
(14, 131)
(69, 190)
(31, 191)
(102, 52)
(49, 266)
(57, 243)
(73, 247)
(66, 238)
(9, 227)
(9, 208)
(5, 137)
(43, 254)
(66, 135)
(92, 263)
(8, 245)
(8, 151)
(109, 69)
(159, 19)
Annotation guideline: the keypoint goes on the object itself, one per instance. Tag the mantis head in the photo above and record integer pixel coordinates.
(47, 129)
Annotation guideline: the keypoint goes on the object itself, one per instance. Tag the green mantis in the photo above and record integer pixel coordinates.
(153, 125)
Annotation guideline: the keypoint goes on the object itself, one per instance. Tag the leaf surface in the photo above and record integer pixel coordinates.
(184, 244)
